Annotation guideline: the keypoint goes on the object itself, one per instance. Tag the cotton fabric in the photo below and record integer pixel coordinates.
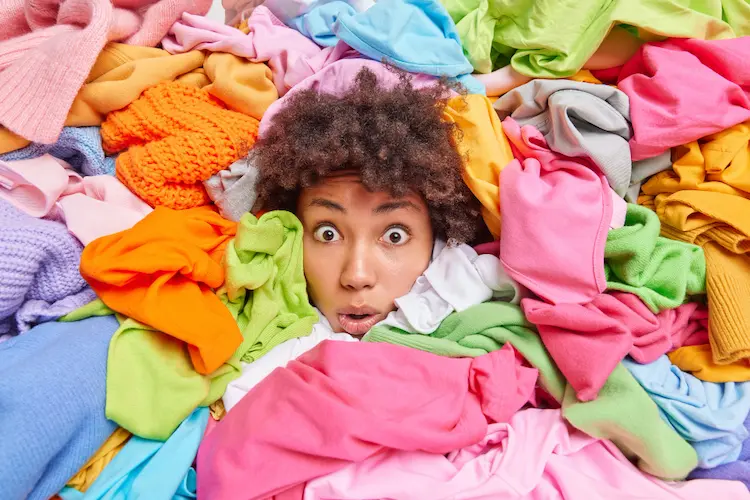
(422, 401)
(698, 360)
(535, 193)
(162, 272)
(54, 369)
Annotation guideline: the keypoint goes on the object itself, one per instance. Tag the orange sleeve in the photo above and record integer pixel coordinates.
(162, 272)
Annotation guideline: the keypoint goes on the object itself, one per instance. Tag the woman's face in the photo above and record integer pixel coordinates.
(362, 250)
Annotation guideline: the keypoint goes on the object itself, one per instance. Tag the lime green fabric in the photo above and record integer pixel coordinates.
(626, 415)
(623, 412)
(479, 330)
(151, 384)
(266, 258)
(555, 38)
(93, 308)
(664, 273)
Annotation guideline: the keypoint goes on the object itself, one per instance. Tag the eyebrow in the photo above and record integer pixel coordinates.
(395, 205)
(331, 205)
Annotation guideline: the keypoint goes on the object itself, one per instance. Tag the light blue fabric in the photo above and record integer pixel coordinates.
(52, 386)
(708, 415)
(81, 147)
(473, 86)
(317, 24)
(156, 470)
(416, 35)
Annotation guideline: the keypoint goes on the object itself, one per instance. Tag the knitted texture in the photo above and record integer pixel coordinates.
(176, 136)
(81, 147)
(38, 262)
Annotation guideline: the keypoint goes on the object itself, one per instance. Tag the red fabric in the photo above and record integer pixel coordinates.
(587, 341)
(343, 402)
(683, 89)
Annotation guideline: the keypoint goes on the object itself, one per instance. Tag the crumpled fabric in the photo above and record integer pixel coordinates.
(663, 272)
(734, 471)
(268, 40)
(80, 147)
(709, 416)
(278, 357)
(233, 190)
(623, 412)
(315, 18)
(699, 361)
(577, 119)
(535, 455)
(555, 38)
(606, 330)
(536, 191)
(484, 150)
(91, 207)
(719, 162)
(151, 469)
(162, 272)
(720, 224)
(683, 89)
(354, 399)
(265, 288)
(455, 280)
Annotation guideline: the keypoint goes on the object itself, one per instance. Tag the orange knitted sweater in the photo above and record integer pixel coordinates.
(175, 136)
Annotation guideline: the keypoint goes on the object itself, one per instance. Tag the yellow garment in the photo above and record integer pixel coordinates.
(96, 464)
(120, 74)
(718, 162)
(485, 151)
(217, 409)
(10, 141)
(720, 223)
(585, 76)
(242, 85)
(698, 360)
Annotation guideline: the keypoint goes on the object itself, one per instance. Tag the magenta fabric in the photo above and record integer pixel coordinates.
(343, 402)
(587, 341)
(269, 40)
(536, 456)
(683, 89)
(47, 49)
(556, 215)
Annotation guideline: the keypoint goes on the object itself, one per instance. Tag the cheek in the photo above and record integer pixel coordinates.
(403, 271)
(320, 275)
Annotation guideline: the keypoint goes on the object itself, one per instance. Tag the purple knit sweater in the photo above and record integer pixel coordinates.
(39, 277)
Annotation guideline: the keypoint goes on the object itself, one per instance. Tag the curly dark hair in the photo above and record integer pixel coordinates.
(396, 139)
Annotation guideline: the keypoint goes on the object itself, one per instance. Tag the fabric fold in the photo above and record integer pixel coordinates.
(535, 193)
(663, 272)
(162, 271)
(346, 401)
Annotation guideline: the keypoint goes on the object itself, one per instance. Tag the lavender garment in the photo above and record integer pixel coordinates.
(736, 471)
(39, 277)
(81, 147)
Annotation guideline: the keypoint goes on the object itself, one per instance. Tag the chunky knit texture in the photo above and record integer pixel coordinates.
(38, 262)
(176, 137)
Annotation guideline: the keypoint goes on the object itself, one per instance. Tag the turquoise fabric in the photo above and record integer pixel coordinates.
(151, 469)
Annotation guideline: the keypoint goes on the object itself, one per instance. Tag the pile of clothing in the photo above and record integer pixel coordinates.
(156, 337)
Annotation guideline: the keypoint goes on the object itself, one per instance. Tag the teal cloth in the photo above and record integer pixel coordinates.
(151, 469)
(664, 273)
(555, 38)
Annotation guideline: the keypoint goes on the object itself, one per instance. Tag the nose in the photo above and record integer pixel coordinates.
(359, 269)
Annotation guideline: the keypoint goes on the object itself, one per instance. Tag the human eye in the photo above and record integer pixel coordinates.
(396, 235)
(326, 233)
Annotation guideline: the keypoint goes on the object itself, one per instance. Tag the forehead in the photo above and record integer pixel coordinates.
(347, 190)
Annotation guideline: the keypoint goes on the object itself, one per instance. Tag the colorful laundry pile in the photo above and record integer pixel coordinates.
(156, 336)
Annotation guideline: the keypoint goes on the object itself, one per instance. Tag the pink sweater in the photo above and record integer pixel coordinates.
(48, 47)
